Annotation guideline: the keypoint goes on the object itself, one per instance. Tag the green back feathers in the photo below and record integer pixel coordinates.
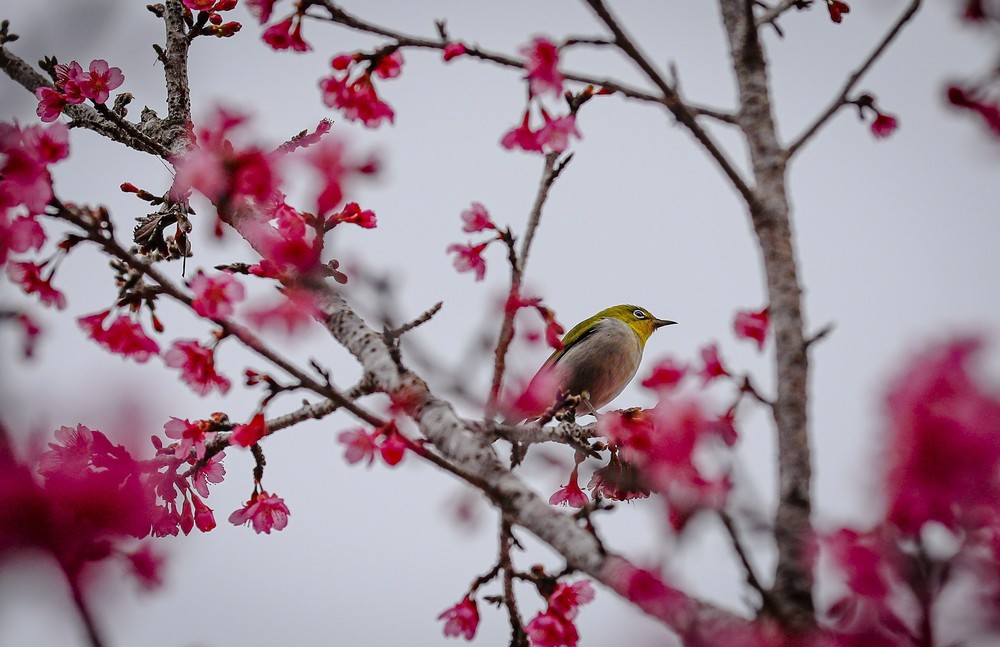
(638, 319)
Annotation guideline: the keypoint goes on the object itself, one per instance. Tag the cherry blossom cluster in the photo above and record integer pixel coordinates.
(74, 86)
(544, 78)
(350, 89)
(209, 11)
(386, 441)
(469, 257)
(283, 34)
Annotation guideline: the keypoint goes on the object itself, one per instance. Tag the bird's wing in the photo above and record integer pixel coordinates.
(578, 333)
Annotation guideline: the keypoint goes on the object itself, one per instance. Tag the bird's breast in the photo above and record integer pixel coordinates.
(603, 363)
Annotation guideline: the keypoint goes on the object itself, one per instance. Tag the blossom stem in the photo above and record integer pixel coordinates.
(89, 624)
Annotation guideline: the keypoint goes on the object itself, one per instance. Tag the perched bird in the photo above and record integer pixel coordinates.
(599, 357)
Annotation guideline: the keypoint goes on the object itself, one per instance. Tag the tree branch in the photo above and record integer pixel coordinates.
(770, 215)
(841, 99)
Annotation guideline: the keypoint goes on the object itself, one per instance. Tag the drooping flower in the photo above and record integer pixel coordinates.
(204, 518)
(552, 629)
(393, 446)
(250, 433)
(618, 481)
(389, 67)
(553, 137)
(476, 219)
(192, 435)
(123, 336)
(214, 296)
(752, 325)
(357, 100)
(570, 494)
(197, 364)
(29, 276)
(522, 137)
(286, 34)
(213, 471)
(969, 99)
(884, 125)
(542, 60)
(461, 619)
(469, 258)
(568, 598)
(837, 10)
(264, 512)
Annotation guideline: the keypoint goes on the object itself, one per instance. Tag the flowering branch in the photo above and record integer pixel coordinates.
(841, 99)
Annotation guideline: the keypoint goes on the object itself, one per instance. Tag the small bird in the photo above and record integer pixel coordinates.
(599, 357)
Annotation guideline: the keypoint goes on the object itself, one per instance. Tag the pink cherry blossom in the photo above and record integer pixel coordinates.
(69, 79)
(944, 440)
(100, 80)
(353, 214)
(570, 494)
(264, 512)
(522, 137)
(884, 125)
(261, 9)
(213, 471)
(197, 364)
(70, 455)
(357, 100)
(29, 276)
(568, 598)
(214, 296)
(461, 619)
(712, 364)
(51, 103)
(453, 50)
(359, 444)
(390, 66)
(393, 446)
(192, 436)
(286, 34)
(468, 258)
(551, 629)
(554, 136)
(123, 336)
(25, 155)
(752, 325)
(476, 219)
(250, 433)
(204, 518)
(666, 375)
(617, 481)
(542, 59)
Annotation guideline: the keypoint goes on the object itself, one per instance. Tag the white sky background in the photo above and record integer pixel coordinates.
(897, 241)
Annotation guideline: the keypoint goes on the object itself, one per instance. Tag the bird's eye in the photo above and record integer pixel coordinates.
(638, 314)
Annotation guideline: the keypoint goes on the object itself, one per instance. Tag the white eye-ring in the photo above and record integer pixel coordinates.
(639, 314)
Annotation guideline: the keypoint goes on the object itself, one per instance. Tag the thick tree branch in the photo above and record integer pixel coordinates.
(770, 215)
(841, 99)
(471, 452)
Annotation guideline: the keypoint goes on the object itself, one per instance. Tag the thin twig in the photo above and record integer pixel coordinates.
(772, 14)
(518, 262)
(767, 603)
(672, 100)
(518, 638)
(89, 623)
(111, 246)
(419, 321)
(841, 99)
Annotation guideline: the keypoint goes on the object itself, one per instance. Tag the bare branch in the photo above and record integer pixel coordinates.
(841, 99)
(671, 99)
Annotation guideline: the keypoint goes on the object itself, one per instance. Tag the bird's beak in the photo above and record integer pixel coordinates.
(659, 323)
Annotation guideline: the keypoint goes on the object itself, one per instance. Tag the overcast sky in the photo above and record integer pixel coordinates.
(897, 241)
